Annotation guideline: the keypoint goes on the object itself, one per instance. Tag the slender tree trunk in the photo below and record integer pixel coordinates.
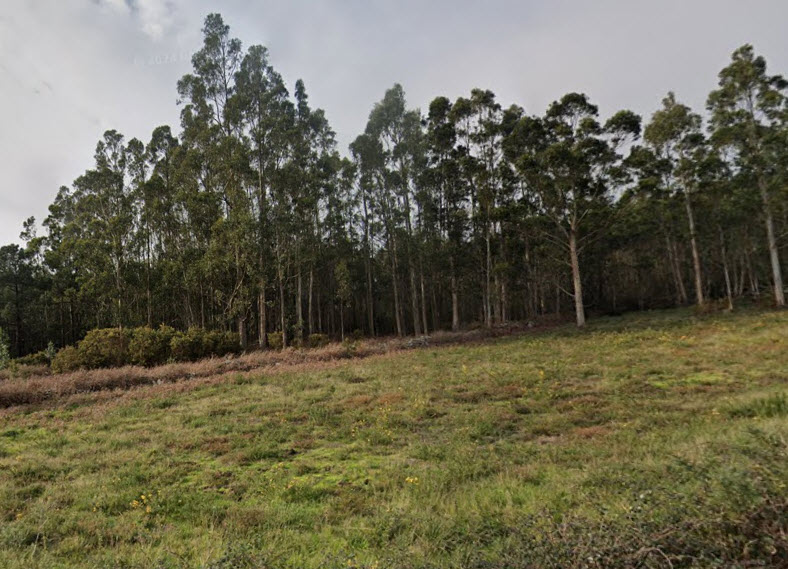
(261, 323)
(282, 307)
(752, 275)
(674, 258)
(436, 314)
(299, 332)
(309, 305)
(393, 255)
(694, 245)
(342, 322)
(414, 300)
(368, 266)
(578, 285)
(774, 253)
(487, 271)
(242, 332)
(455, 302)
(423, 299)
(728, 288)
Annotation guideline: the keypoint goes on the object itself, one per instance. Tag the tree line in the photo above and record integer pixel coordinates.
(471, 213)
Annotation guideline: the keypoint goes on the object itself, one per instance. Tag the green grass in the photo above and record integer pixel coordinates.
(655, 439)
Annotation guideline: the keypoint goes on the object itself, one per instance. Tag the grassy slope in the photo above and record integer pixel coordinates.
(647, 437)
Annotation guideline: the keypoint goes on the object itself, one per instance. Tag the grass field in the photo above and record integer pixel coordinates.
(651, 440)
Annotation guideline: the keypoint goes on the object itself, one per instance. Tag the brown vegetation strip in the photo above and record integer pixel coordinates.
(38, 389)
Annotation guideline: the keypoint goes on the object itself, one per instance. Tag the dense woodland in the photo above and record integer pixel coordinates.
(467, 213)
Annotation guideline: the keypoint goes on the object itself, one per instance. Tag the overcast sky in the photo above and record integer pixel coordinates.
(71, 69)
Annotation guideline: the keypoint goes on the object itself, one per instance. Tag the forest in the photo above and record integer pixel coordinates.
(249, 219)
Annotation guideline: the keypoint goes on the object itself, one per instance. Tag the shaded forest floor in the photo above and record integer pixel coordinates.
(652, 440)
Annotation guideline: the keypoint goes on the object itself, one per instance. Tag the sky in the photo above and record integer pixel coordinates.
(72, 69)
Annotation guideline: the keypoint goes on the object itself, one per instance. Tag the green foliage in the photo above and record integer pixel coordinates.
(5, 353)
(50, 352)
(275, 341)
(772, 406)
(317, 340)
(149, 347)
(104, 348)
(34, 359)
(67, 359)
(144, 347)
(197, 343)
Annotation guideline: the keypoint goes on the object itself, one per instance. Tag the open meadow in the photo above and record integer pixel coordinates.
(655, 439)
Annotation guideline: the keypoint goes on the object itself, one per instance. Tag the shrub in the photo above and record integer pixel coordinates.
(186, 346)
(5, 351)
(107, 347)
(317, 340)
(275, 341)
(36, 359)
(149, 347)
(67, 359)
(197, 343)
(227, 343)
(50, 352)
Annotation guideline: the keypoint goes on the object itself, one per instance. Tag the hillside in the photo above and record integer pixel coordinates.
(654, 439)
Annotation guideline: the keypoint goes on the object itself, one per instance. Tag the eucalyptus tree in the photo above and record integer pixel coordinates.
(477, 121)
(263, 98)
(452, 192)
(366, 161)
(398, 132)
(748, 114)
(212, 128)
(570, 162)
(378, 202)
(652, 202)
(674, 134)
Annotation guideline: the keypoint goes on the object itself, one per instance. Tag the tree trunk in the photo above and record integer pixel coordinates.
(282, 308)
(423, 299)
(242, 332)
(682, 291)
(342, 322)
(774, 253)
(487, 271)
(310, 319)
(262, 325)
(414, 300)
(578, 285)
(694, 245)
(455, 303)
(299, 332)
(728, 288)
(393, 255)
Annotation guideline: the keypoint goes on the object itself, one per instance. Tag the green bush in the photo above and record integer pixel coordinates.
(144, 347)
(107, 347)
(36, 359)
(275, 341)
(187, 346)
(197, 343)
(67, 359)
(149, 347)
(228, 343)
(5, 350)
(317, 340)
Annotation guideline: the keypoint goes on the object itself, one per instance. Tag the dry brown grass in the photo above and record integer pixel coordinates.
(39, 386)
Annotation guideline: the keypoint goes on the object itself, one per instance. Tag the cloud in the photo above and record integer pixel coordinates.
(154, 17)
(100, 64)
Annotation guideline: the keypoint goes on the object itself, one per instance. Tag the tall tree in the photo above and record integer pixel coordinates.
(748, 112)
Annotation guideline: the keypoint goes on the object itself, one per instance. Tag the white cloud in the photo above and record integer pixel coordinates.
(156, 16)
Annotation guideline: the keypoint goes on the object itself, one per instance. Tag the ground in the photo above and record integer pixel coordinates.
(653, 439)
